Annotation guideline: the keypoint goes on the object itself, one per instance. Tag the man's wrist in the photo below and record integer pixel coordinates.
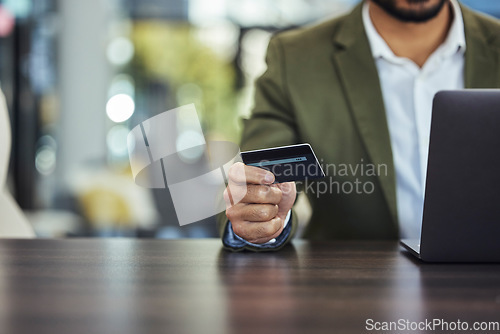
(235, 242)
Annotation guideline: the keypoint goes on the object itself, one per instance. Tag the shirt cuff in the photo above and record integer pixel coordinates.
(232, 240)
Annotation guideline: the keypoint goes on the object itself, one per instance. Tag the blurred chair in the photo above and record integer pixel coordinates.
(13, 223)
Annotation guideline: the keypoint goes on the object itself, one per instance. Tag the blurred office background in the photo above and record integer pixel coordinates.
(78, 75)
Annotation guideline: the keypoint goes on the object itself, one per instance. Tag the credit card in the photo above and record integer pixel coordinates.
(287, 163)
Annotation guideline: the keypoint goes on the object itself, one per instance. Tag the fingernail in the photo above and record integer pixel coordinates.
(269, 177)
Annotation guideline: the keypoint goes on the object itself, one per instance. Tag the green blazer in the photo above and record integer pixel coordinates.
(322, 87)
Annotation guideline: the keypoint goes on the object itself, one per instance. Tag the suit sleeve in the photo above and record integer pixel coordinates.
(272, 122)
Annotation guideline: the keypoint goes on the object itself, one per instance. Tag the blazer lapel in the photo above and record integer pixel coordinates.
(354, 63)
(481, 60)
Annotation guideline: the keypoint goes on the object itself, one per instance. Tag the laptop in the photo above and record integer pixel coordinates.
(461, 217)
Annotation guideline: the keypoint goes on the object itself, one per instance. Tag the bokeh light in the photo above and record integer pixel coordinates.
(7, 22)
(117, 140)
(45, 160)
(120, 108)
(190, 145)
(120, 51)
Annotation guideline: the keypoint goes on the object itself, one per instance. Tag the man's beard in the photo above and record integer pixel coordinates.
(410, 15)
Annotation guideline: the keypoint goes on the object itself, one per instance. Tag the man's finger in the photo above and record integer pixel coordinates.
(252, 212)
(275, 235)
(241, 174)
(258, 231)
(252, 193)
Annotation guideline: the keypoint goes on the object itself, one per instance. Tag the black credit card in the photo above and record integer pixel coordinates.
(287, 163)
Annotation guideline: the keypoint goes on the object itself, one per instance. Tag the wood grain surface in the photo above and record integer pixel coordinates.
(194, 286)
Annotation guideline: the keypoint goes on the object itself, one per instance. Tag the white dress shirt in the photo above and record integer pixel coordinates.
(408, 91)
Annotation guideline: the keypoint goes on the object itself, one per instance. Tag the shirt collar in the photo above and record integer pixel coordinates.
(455, 41)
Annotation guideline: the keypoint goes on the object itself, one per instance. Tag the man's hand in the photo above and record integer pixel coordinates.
(260, 214)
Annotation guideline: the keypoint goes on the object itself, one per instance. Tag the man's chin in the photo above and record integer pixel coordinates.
(418, 11)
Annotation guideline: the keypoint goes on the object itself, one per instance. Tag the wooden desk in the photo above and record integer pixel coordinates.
(193, 286)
